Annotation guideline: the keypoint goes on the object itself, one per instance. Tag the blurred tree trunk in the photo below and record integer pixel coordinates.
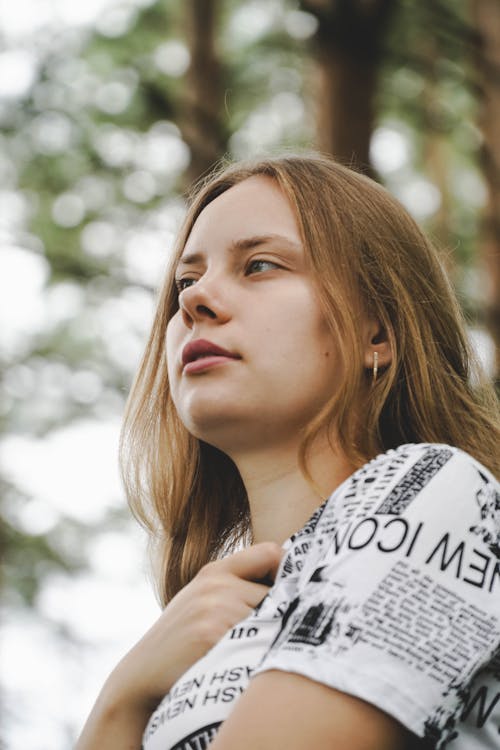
(436, 151)
(349, 50)
(201, 122)
(486, 15)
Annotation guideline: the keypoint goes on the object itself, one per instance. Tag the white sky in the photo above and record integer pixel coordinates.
(25, 18)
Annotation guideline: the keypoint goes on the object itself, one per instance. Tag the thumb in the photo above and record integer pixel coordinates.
(259, 562)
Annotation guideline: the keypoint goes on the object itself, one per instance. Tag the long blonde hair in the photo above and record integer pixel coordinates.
(367, 255)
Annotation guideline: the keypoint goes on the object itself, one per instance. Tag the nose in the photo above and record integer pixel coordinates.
(201, 302)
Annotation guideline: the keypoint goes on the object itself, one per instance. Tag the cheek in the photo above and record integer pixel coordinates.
(172, 343)
(329, 350)
(326, 354)
(321, 339)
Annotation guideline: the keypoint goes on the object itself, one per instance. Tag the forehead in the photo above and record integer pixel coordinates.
(256, 206)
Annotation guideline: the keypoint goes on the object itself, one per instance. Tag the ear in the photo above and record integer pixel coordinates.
(376, 340)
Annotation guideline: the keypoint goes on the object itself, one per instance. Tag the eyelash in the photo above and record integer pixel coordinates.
(179, 283)
(262, 260)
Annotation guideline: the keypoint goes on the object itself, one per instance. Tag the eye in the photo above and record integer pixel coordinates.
(184, 283)
(259, 264)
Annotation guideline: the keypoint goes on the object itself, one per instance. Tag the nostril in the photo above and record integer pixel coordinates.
(204, 310)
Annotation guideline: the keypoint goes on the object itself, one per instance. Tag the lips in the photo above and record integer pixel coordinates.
(202, 348)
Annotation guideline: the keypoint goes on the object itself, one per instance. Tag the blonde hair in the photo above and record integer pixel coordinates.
(367, 256)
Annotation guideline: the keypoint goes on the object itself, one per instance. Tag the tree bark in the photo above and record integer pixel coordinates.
(435, 152)
(349, 50)
(202, 124)
(486, 16)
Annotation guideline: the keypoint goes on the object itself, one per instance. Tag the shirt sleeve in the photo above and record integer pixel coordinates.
(398, 597)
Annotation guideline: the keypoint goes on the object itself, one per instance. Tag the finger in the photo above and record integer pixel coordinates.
(255, 563)
(251, 593)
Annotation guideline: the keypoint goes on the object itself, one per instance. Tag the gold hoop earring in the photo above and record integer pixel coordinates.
(375, 366)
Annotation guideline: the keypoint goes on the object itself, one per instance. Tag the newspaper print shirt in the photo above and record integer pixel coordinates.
(390, 592)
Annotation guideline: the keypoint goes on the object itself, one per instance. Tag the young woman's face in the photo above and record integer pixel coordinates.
(250, 357)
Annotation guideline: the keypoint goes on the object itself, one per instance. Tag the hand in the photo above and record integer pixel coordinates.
(221, 594)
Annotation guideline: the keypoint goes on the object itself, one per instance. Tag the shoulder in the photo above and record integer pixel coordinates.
(397, 584)
(404, 502)
(419, 469)
(433, 482)
(432, 456)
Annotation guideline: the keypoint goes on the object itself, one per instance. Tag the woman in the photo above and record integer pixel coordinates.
(306, 391)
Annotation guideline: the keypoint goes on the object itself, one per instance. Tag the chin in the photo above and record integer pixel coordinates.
(228, 444)
(211, 424)
(234, 426)
(237, 436)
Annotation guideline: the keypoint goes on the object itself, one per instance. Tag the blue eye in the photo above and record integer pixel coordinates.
(261, 265)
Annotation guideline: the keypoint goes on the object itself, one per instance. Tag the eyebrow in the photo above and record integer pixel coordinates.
(246, 243)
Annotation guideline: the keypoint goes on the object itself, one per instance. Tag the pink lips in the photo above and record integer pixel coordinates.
(200, 354)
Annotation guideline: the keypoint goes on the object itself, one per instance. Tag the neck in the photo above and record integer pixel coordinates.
(281, 499)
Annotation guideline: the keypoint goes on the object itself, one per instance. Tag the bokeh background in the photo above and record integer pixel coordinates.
(109, 110)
